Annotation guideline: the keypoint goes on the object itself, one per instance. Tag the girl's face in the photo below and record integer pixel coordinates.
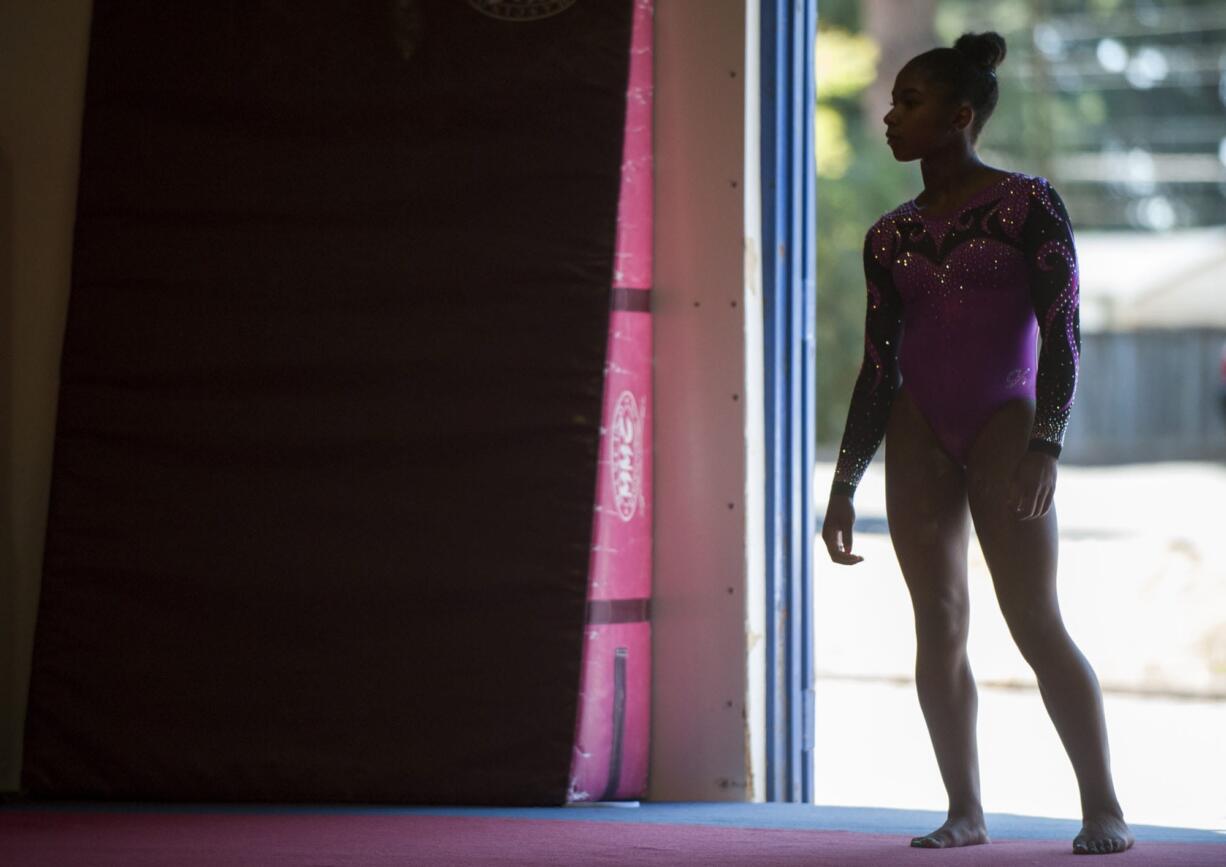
(921, 119)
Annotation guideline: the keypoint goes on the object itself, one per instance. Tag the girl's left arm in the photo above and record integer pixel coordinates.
(1051, 258)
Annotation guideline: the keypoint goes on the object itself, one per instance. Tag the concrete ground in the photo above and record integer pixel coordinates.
(1143, 591)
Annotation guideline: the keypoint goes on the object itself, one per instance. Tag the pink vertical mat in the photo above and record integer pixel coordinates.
(609, 761)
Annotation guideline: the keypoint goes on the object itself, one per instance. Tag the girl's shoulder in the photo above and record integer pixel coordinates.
(1014, 186)
(891, 217)
(881, 239)
(886, 225)
(1033, 185)
(1041, 194)
(1039, 191)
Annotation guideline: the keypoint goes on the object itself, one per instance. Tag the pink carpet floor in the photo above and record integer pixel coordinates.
(58, 838)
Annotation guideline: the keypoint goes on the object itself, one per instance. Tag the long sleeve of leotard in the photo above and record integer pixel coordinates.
(1047, 241)
(878, 381)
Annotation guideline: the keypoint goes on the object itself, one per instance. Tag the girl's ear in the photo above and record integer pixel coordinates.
(963, 118)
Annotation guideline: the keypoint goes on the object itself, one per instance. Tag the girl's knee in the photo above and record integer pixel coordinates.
(942, 625)
(1038, 632)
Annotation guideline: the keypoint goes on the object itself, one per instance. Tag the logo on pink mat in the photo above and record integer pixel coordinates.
(626, 448)
(521, 10)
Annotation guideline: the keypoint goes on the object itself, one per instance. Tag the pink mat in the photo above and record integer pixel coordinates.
(609, 759)
(56, 838)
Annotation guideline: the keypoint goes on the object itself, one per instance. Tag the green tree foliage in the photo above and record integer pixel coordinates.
(858, 180)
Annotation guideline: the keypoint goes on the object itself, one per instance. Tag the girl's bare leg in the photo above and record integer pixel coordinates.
(930, 529)
(1021, 555)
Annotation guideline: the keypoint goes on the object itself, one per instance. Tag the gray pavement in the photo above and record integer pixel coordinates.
(1142, 587)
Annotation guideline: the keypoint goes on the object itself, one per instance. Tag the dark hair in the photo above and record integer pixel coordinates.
(967, 72)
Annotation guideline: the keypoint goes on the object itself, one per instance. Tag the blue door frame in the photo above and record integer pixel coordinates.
(789, 244)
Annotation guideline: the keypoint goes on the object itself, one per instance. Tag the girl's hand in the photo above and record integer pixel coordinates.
(836, 529)
(1032, 487)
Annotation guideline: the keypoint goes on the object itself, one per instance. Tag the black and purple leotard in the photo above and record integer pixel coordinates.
(955, 304)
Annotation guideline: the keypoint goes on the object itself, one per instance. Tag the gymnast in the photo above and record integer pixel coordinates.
(961, 281)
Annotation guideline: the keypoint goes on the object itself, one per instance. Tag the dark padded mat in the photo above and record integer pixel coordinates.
(328, 420)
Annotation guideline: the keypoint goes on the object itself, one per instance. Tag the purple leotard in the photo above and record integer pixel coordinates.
(955, 304)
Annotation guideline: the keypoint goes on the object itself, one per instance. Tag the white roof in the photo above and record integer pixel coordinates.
(1133, 280)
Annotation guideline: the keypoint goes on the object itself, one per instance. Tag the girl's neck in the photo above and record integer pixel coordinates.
(950, 173)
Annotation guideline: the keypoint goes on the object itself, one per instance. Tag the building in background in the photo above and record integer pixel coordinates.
(1153, 330)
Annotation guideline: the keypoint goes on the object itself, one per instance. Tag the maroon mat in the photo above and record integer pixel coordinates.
(32, 838)
(320, 518)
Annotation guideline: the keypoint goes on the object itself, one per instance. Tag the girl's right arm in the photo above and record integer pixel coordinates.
(879, 378)
(873, 394)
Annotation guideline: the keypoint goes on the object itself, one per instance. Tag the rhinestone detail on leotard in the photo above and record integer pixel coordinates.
(1018, 222)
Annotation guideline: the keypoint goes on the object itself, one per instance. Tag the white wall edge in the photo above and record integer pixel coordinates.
(704, 494)
(755, 434)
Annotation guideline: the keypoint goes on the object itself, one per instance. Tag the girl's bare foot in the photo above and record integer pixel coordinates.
(1101, 834)
(957, 831)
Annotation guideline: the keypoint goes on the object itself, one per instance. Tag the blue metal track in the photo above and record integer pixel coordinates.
(789, 239)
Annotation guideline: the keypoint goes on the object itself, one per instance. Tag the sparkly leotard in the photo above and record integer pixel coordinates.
(955, 305)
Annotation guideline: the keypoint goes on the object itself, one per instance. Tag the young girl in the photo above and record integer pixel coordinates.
(961, 280)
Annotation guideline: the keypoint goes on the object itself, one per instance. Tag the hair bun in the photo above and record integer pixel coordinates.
(986, 50)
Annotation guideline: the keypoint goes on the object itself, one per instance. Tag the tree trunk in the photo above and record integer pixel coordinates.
(903, 30)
